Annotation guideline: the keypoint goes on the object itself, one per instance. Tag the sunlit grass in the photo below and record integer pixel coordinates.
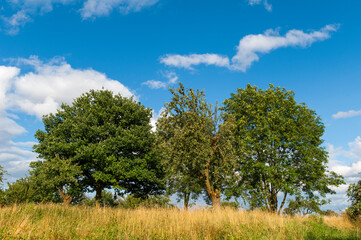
(50, 221)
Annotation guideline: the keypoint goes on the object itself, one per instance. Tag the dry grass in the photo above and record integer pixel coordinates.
(52, 221)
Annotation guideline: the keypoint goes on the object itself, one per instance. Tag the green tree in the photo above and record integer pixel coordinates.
(279, 146)
(109, 138)
(57, 175)
(23, 190)
(354, 195)
(303, 206)
(196, 145)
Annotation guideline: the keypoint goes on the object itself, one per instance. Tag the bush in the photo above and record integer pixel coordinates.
(234, 205)
(132, 202)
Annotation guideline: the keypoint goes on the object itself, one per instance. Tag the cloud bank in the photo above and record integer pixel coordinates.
(346, 162)
(250, 48)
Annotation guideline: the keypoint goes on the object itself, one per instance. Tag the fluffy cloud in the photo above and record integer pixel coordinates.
(265, 3)
(43, 90)
(98, 8)
(154, 84)
(250, 47)
(346, 162)
(349, 114)
(26, 9)
(39, 92)
(155, 117)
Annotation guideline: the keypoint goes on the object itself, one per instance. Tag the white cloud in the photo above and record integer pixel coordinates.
(250, 47)
(155, 117)
(26, 9)
(154, 84)
(346, 162)
(353, 153)
(349, 114)
(171, 76)
(7, 75)
(14, 22)
(43, 90)
(187, 61)
(98, 8)
(265, 3)
(39, 92)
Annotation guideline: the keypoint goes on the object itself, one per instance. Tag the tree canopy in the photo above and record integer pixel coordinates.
(196, 144)
(279, 146)
(100, 141)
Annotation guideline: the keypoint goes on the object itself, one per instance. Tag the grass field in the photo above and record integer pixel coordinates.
(50, 221)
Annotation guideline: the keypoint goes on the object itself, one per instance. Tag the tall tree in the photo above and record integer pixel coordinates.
(109, 137)
(279, 146)
(196, 145)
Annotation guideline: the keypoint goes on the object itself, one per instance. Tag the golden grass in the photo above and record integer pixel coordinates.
(50, 221)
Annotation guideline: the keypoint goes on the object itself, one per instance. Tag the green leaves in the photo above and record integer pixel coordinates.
(278, 142)
(98, 142)
(196, 145)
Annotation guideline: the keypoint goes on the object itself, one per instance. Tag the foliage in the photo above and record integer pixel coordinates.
(302, 206)
(107, 142)
(132, 202)
(57, 177)
(2, 173)
(234, 205)
(279, 147)
(24, 190)
(354, 194)
(108, 199)
(196, 145)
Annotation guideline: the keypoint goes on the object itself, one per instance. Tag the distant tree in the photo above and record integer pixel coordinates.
(302, 206)
(196, 145)
(354, 195)
(22, 190)
(279, 147)
(105, 141)
(184, 186)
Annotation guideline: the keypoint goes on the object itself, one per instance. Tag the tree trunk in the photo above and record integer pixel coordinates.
(216, 199)
(186, 201)
(98, 195)
(283, 203)
(273, 202)
(66, 198)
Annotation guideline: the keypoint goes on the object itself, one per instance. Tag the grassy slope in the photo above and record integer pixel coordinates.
(56, 222)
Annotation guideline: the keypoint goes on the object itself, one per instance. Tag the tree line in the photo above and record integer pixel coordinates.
(260, 146)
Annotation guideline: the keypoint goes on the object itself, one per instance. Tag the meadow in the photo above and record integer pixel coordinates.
(51, 221)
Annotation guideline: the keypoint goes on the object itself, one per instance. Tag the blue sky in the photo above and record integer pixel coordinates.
(53, 50)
